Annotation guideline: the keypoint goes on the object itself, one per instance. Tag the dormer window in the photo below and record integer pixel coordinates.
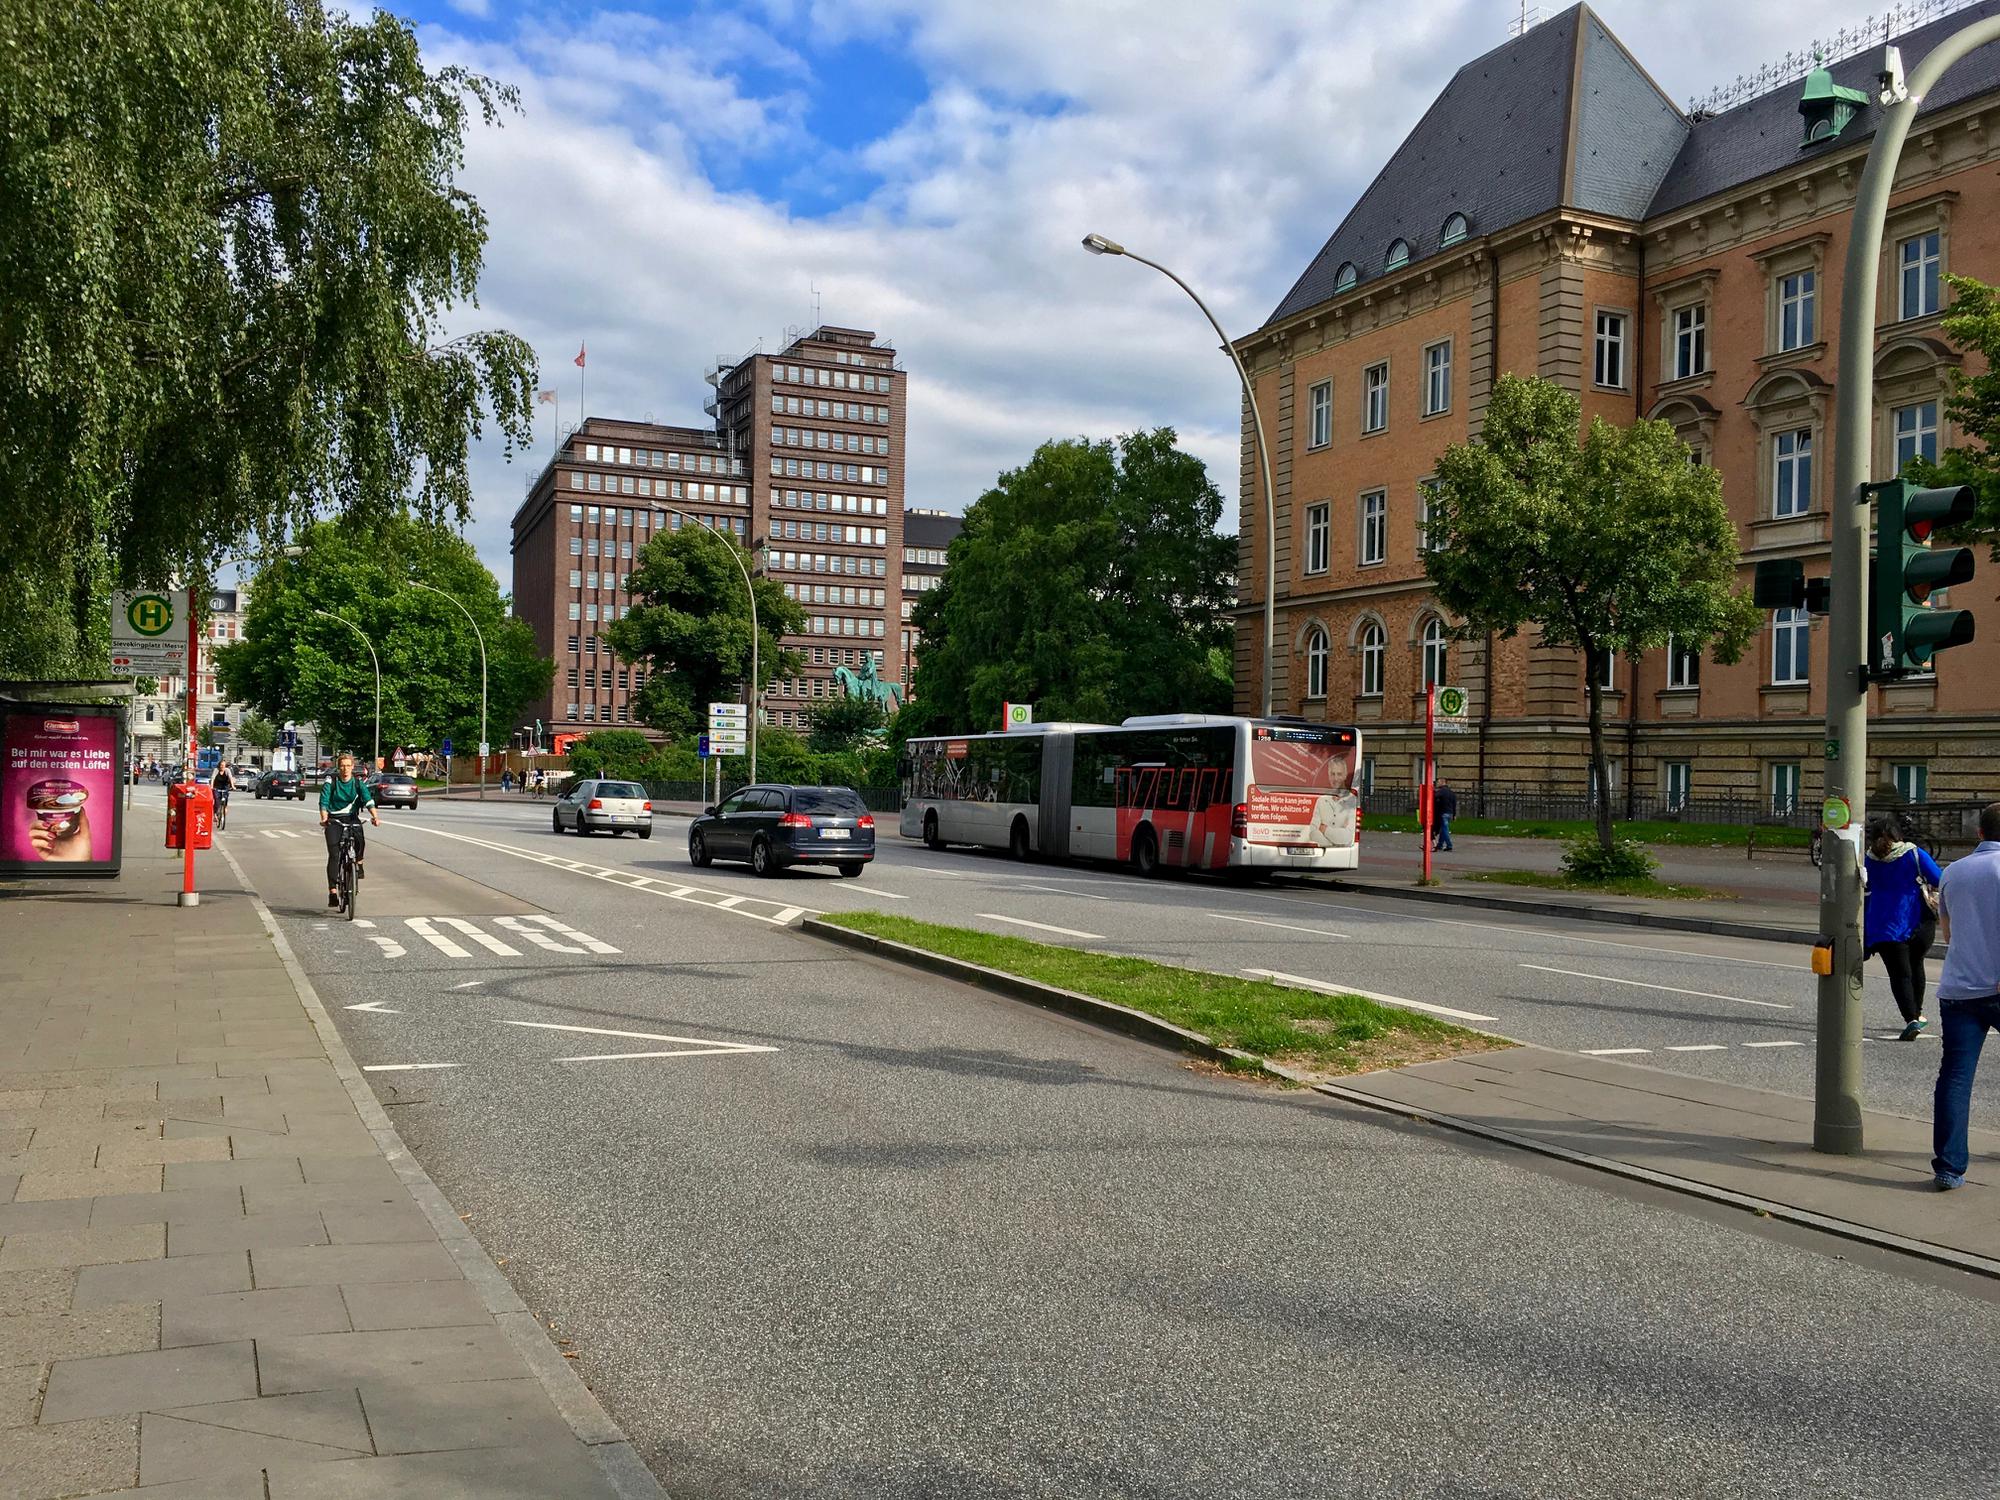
(1345, 277)
(1398, 256)
(1455, 229)
(1827, 108)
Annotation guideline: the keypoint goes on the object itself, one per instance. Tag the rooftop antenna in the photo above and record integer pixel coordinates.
(815, 295)
(1525, 21)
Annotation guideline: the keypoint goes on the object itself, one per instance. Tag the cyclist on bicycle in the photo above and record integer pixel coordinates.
(220, 786)
(342, 797)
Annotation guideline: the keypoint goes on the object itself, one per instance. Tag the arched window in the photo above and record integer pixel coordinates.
(1434, 652)
(1345, 277)
(1374, 648)
(1398, 256)
(1455, 229)
(1316, 655)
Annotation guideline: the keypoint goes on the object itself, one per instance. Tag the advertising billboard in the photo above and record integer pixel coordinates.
(61, 770)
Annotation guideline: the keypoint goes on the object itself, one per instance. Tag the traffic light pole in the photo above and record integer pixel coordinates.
(1837, 1082)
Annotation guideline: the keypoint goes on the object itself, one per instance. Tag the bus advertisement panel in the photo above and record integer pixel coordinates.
(1301, 795)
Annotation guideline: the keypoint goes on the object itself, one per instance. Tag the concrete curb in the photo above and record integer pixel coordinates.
(586, 1416)
(1165, 1034)
(1578, 911)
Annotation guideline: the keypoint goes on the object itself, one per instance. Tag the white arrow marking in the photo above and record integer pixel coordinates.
(376, 1007)
(699, 1047)
(422, 928)
(485, 939)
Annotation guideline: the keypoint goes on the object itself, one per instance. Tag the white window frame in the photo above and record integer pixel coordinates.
(1690, 340)
(1318, 653)
(1424, 498)
(1319, 537)
(1319, 414)
(1371, 542)
(1787, 786)
(1437, 378)
(1921, 426)
(1912, 780)
(1375, 398)
(1792, 449)
(1928, 265)
(1791, 648)
(1679, 781)
(1435, 655)
(1374, 646)
(1608, 349)
(1798, 309)
(1683, 666)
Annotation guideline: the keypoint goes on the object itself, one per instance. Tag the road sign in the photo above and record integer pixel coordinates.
(1451, 707)
(728, 741)
(149, 659)
(446, 751)
(142, 617)
(701, 748)
(736, 712)
(1016, 715)
(485, 747)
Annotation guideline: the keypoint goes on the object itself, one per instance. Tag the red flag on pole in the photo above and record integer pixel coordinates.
(579, 356)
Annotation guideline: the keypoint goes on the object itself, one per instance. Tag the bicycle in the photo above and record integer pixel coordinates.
(222, 812)
(347, 883)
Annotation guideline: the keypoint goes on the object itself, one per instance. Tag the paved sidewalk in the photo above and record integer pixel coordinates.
(221, 1276)
(1734, 1140)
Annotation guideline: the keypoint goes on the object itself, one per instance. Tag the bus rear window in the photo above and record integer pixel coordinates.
(1301, 766)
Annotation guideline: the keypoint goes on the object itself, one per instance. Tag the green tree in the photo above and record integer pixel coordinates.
(294, 664)
(1091, 581)
(173, 729)
(1973, 323)
(233, 244)
(844, 724)
(1610, 544)
(257, 731)
(689, 626)
(611, 752)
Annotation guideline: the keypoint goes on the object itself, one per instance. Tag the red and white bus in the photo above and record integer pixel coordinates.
(1193, 791)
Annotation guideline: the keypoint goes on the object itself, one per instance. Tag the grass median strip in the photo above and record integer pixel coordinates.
(1303, 1029)
(1646, 831)
(1642, 885)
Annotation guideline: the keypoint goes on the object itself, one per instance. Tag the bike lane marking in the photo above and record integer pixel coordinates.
(1347, 989)
(1666, 988)
(994, 916)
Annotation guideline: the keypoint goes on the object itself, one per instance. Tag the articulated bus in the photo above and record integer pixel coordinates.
(1192, 791)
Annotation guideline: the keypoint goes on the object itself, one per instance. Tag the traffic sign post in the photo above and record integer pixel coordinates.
(445, 751)
(1424, 799)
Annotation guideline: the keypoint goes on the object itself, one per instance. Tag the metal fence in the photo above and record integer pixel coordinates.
(1531, 801)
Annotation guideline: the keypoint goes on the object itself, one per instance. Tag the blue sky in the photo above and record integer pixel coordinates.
(683, 177)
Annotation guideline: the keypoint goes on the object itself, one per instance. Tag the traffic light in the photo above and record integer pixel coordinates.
(1904, 631)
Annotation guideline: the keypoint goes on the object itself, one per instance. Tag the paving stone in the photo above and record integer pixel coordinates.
(383, 1224)
(326, 1361)
(414, 1304)
(40, 1336)
(95, 1183)
(207, 1174)
(326, 1417)
(245, 1483)
(37, 1291)
(82, 1247)
(173, 1449)
(157, 1280)
(198, 1107)
(21, 1098)
(372, 1170)
(8, 1182)
(322, 1196)
(44, 1217)
(252, 1232)
(430, 1418)
(192, 1206)
(156, 1380)
(157, 1150)
(224, 1316)
(330, 1265)
(69, 1458)
(563, 1469)
(20, 1389)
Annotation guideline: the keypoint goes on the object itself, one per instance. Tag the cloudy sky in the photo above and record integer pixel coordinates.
(684, 177)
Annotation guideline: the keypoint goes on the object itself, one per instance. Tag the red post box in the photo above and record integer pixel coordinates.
(190, 816)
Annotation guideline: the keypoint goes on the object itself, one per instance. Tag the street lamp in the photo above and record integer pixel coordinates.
(377, 756)
(756, 689)
(1097, 244)
(479, 636)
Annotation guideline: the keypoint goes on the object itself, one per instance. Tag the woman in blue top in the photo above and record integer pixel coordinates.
(1899, 919)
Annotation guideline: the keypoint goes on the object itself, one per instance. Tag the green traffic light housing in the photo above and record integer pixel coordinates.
(1905, 630)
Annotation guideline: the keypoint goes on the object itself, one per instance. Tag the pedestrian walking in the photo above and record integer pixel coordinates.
(506, 780)
(1968, 992)
(1444, 807)
(1899, 917)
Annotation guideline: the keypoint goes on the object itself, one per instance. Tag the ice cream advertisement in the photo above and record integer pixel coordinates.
(58, 790)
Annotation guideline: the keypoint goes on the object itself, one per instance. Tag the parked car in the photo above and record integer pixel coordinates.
(280, 784)
(774, 827)
(394, 789)
(615, 807)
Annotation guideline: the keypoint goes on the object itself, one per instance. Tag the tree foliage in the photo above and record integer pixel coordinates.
(232, 240)
(1613, 543)
(1973, 323)
(295, 664)
(689, 627)
(257, 731)
(844, 724)
(1091, 581)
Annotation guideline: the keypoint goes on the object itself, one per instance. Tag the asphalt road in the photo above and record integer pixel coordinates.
(821, 1227)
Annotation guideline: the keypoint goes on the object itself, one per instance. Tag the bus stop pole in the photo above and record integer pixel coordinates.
(1426, 799)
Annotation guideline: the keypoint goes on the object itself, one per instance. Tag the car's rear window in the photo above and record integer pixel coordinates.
(621, 789)
(399, 780)
(835, 800)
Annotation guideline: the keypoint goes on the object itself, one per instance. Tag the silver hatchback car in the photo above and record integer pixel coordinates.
(597, 806)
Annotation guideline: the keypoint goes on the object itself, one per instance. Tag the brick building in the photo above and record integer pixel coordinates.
(927, 538)
(811, 483)
(1555, 214)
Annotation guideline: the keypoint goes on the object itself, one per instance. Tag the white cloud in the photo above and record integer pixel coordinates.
(1225, 141)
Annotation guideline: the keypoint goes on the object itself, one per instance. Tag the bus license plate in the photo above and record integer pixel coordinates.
(1300, 849)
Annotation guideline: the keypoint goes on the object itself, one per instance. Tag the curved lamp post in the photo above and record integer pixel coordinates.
(756, 688)
(377, 757)
(479, 636)
(1097, 244)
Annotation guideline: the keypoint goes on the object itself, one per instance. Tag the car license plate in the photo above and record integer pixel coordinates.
(834, 833)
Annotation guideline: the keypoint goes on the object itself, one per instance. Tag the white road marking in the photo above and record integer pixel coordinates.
(421, 926)
(1700, 1047)
(539, 939)
(697, 1046)
(485, 940)
(1347, 989)
(994, 916)
(405, 1067)
(1667, 988)
(376, 1007)
(730, 903)
(389, 946)
(790, 913)
(1287, 926)
(1056, 890)
(363, 922)
(470, 984)
(1774, 1044)
(1615, 1051)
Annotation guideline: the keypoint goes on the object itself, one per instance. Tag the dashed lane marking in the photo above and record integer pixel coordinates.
(1051, 890)
(1700, 1047)
(994, 916)
(1347, 989)
(1666, 988)
(1615, 1051)
(404, 1067)
(1287, 926)
(1772, 1044)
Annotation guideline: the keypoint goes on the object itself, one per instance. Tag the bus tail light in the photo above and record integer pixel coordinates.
(1239, 821)
(1357, 825)
(795, 820)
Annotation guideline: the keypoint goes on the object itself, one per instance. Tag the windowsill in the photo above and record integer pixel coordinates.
(1805, 354)
(1380, 562)
(1785, 697)
(1432, 416)
(1911, 325)
(1319, 447)
(1679, 384)
(1611, 390)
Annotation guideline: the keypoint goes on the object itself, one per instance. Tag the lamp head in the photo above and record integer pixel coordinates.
(1097, 244)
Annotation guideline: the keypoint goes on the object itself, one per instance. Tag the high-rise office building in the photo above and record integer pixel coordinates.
(927, 539)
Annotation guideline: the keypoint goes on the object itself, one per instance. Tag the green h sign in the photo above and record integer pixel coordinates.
(1904, 630)
(149, 615)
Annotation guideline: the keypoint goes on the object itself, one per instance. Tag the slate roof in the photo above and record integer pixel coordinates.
(1558, 115)
(1762, 136)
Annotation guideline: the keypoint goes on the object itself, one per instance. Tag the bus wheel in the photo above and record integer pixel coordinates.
(931, 839)
(1017, 841)
(1146, 853)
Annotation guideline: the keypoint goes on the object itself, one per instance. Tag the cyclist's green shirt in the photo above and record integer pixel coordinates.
(339, 798)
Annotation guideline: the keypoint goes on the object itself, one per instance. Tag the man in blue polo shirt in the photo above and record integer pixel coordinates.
(1968, 991)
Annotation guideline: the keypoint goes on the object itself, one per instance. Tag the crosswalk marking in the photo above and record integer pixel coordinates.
(422, 928)
(485, 940)
(458, 938)
(281, 833)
